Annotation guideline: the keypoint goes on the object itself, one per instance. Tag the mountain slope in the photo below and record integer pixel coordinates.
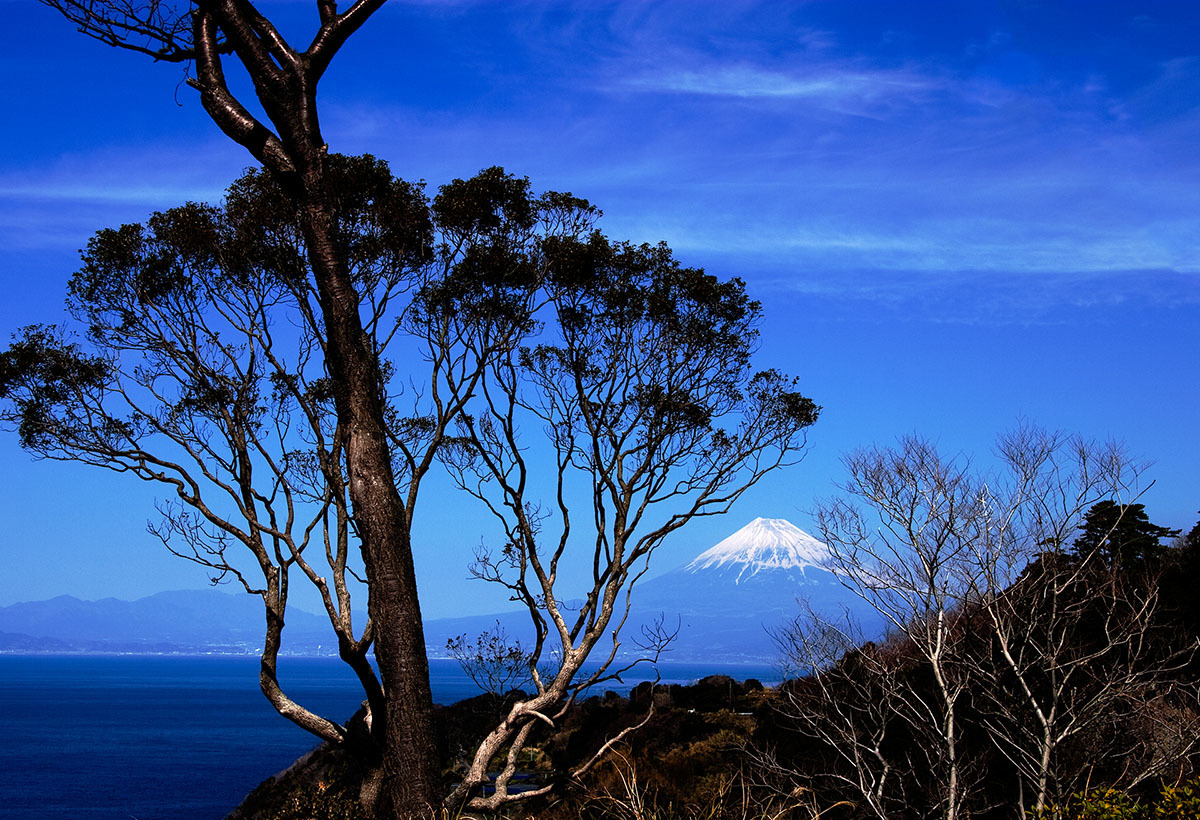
(765, 544)
(730, 598)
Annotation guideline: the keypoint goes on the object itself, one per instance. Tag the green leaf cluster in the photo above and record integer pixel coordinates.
(1178, 802)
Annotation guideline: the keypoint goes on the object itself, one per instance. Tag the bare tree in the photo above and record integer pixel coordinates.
(640, 378)
(281, 129)
(998, 630)
(1071, 636)
(908, 559)
(496, 662)
(848, 699)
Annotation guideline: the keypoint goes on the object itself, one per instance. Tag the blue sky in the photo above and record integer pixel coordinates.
(957, 215)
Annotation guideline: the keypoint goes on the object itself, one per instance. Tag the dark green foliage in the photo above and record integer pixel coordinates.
(667, 347)
(1178, 802)
(186, 311)
(1192, 539)
(690, 760)
(382, 230)
(181, 311)
(1122, 535)
(323, 785)
(490, 205)
(319, 801)
(41, 371)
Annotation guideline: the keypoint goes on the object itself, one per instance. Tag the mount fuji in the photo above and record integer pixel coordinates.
(725, 602)
(765, 544)
(729, 598)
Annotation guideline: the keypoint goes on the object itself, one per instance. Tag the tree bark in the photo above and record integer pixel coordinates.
(289, 144)
(286, 82)
(411, 783)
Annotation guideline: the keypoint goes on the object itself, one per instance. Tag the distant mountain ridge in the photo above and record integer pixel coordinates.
(726, 603)
(182, 621)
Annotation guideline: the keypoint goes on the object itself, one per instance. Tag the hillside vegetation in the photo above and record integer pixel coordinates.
(847, 741)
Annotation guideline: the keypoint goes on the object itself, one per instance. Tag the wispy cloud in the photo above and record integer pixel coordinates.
(71, 196)
(112, 190)
(833, 86)
(989, 298)
(137, 172)
(941, 245)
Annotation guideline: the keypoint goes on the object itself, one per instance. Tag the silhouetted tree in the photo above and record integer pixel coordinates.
(640, 375)
(280, 127)
(1121, 534)
(1192, 539)
(494, 661)
(1009, 654)
(205, 368)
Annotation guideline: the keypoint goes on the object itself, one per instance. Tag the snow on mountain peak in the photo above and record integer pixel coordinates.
(764, 543)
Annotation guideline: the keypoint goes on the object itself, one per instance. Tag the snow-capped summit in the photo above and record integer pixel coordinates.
(728, 602)
(727, 605)
(763, 544)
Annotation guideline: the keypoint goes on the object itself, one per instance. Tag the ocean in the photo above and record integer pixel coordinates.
(179, 738)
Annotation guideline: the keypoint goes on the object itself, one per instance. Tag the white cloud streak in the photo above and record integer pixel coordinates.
(833, 86)
(67, 199)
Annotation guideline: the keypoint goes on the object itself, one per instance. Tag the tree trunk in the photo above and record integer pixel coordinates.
(285, 85)
(411, 784)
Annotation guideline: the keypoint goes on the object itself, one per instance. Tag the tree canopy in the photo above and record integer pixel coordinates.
(1121, 534)
(200, 359)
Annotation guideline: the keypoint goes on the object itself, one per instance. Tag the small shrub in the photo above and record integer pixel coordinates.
(319, 801)
(1180, 802)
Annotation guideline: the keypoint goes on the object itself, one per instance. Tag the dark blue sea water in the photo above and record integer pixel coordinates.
(177, 738)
